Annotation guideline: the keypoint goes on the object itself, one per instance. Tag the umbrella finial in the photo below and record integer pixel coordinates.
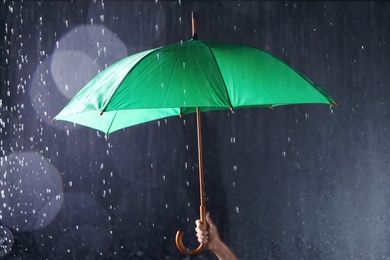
(194, 34)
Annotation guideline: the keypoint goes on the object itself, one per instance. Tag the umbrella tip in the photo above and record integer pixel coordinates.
(194, 34)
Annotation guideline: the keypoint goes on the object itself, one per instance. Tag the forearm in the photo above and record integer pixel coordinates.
(223, 252)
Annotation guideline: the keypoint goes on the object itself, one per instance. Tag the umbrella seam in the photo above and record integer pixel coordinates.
(173, 70)
(112, 121)
(220, 73)
(298, 72)
(127, 74)
(312, 83)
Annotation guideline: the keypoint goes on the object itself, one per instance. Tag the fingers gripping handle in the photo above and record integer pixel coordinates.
(179, 238)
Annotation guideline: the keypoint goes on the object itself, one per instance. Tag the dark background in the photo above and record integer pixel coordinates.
(296, 182)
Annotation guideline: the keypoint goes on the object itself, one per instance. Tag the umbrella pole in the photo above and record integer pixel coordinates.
(201, 178)
(179, 235)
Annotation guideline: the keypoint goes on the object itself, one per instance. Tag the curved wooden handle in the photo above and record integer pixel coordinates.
(183, 249)
(179, 237)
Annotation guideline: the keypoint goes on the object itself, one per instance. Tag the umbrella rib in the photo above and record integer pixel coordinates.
(171, 75)
(112, 121)
(220, 73)
(315, 85)
(127, 74)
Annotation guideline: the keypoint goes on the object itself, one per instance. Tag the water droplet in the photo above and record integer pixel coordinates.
(237, 210)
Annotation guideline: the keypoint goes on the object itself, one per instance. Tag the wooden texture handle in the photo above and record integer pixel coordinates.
(179, 238)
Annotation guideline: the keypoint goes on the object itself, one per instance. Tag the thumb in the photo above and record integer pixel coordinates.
(209, 220)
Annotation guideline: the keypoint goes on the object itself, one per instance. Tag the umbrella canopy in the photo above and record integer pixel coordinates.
(175, 79)
(185, 77)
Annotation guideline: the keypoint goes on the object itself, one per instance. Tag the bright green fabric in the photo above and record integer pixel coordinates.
(177, 78)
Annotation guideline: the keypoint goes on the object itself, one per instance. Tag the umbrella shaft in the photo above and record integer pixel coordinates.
(200, 157)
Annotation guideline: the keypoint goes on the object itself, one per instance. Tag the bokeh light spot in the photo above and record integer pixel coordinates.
(31, 191)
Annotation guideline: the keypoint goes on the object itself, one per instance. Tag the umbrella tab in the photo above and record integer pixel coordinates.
(231, 109)
(332, 105)
(101, 113)
(271, 107)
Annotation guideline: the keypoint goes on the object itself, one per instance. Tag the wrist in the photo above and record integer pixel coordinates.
(216, 245)
(223, 252)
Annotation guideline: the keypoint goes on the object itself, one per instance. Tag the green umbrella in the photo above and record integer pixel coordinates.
(187, 77)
